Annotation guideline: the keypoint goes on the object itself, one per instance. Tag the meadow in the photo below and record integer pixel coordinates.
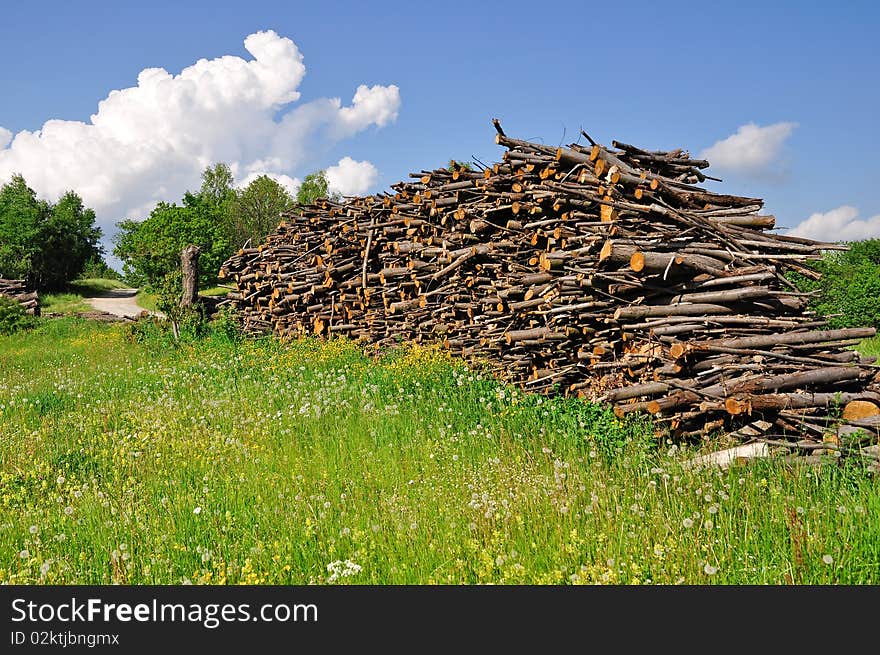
(128, 458)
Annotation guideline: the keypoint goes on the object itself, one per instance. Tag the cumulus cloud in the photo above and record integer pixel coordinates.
(152, 141)
(840, 224)
(350, 177)
(751, 150)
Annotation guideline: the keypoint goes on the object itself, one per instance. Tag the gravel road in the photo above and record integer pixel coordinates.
(120, 302)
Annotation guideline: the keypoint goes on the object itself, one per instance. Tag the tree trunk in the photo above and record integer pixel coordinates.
(189, 261)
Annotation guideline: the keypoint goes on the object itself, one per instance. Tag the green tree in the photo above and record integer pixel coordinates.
(255, 211)
(217, 184)
(46, 244)
(150, 249)
(313, 187)
(68, 240)
(21, 218)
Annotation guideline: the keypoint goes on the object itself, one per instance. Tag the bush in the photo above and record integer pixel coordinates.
(13, 317)
(850, 286)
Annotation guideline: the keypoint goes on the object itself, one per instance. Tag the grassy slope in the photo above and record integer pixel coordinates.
(267, 462)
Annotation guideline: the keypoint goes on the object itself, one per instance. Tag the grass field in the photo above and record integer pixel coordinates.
(218, 461)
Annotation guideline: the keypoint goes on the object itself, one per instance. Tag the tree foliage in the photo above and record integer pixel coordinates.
(49, 245)
(314, 186)
(150, 249)
(849, 289)
(217, 184)
(219, 219)
(255, 211)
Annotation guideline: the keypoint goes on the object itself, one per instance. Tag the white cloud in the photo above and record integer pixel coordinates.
(152, 141)
(751, 150)
(840, 224)
(350, 177)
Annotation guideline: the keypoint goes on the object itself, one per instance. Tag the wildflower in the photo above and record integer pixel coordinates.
(33, 529)
(339, 569)
(827, 559)
(68, 510)
(44, 568)
(197, 511)
(713, 509)
(688, 522)
(709, 569)
(60, 480)
(841, 509)
(800, 510)
(24, 554)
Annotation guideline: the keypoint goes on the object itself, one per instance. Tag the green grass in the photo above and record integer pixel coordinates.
(95, 286)
(215, 291)
(870, 347)
(147, 300)
(63, 303)
(217, 461)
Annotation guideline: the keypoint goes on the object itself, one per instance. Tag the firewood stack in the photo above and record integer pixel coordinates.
(17, 290)
(605, 273)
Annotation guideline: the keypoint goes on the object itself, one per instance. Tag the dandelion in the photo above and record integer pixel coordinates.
(33, 529)
(68, 510)
(713, 509)
(197, 511)
(24, 554)
(60, 480)
(800, 510)
(827, 559)
(709, 569)
(688, 522)
(841, 509)
(44, 568)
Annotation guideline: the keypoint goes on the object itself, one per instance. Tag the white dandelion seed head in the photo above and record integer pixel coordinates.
(688, 522)
(197, 511)
(827, 559)
(709, 569)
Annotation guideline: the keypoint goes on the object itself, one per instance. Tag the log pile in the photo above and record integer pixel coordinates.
(607, 273)
(17, 290)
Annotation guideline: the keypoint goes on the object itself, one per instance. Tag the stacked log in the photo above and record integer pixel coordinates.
(606, 273)
(17, 290)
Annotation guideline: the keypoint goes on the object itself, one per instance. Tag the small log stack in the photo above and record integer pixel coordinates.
(17, 290)
(607, 273)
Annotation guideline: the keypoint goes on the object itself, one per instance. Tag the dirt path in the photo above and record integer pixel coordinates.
(119, 302)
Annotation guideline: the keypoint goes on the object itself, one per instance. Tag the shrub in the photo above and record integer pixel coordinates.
(850, 286)
(13, 317)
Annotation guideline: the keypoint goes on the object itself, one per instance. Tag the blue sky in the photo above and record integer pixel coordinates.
(660, 75)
